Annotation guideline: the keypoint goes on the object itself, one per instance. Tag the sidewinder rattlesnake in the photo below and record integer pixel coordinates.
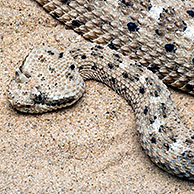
(49, 79)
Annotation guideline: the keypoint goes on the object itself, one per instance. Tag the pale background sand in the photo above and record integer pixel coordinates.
(91, 147)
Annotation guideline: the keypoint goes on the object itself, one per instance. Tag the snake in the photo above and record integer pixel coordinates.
(129, 51)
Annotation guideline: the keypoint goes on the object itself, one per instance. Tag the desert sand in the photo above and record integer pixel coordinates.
(91, 147)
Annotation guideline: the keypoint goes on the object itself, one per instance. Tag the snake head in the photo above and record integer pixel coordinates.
(47, 80)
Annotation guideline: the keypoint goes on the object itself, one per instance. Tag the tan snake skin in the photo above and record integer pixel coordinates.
(49, 79)
(159, 43)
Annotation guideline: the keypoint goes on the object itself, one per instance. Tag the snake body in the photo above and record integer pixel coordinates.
(50, 79)
(157, 37)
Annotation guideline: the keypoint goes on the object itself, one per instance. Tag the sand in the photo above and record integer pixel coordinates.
(91, 147)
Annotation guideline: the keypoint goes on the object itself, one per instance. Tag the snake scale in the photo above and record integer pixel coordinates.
(128, 45)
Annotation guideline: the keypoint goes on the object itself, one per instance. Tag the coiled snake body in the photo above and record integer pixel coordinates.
(49, 79)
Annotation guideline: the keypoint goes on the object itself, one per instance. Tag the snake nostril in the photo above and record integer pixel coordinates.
(17, 73)
(27, 74)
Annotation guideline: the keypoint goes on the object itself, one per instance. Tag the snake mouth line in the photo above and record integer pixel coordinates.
(41, 99)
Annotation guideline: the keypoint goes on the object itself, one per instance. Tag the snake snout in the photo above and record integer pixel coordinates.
(19, 91)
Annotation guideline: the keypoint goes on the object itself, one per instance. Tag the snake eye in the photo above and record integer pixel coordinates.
(39, 99)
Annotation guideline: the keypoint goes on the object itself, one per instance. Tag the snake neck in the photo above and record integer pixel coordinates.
(159, 127)
(125, 76)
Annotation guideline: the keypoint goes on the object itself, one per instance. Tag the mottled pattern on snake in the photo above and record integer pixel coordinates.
(159, 36)
(49, 79)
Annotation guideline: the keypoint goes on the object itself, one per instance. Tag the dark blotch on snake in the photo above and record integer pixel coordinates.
(125, 75)
(94, 67)
(61, 55)
(191, 13)
(110, 65)
(145, 110)
(83, 56)
(169, 47)
(132, 27)
(50, 53)
(72, 67)
(142, 90)
(153, 140)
